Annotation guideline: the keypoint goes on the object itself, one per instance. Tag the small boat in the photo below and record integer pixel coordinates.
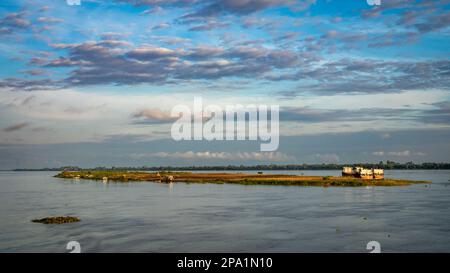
(378, 173)
(365, 174)
(347, 171)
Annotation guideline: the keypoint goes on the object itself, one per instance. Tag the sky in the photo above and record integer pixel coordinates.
(94, 84)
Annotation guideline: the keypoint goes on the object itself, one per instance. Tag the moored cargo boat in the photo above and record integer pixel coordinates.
(363, 173)
(347, 171)
(378, 174)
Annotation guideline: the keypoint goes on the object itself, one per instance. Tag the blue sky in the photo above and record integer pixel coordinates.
(94, 84)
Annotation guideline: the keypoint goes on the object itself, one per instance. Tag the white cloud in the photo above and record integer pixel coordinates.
(92, 115)
(258, 156)
(327, 158)
(399, 153)
(154, 114)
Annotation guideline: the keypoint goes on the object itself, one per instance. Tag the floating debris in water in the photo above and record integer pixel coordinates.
(57, 220)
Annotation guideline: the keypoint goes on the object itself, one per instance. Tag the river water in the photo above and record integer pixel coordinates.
(152, 217)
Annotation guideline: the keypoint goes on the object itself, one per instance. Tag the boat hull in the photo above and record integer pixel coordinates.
(366, 176)
(360, 172)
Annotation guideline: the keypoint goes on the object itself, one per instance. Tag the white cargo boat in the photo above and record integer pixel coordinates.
(363, 173)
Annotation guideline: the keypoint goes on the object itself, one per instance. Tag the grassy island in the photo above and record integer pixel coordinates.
(233, 178)
(57, 220)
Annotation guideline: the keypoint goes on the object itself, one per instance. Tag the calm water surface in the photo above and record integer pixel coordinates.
(151, 217)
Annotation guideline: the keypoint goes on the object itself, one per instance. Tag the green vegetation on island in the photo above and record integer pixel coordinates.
(57, 220)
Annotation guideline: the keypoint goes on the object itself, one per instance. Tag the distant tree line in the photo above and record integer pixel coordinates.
(388, 165)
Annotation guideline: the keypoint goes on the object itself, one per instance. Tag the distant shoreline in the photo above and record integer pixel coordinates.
(389, 165)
